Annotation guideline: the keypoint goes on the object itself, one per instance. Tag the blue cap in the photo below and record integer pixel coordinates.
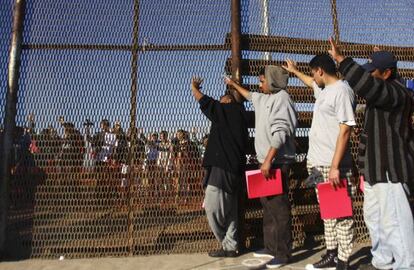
(381, 60)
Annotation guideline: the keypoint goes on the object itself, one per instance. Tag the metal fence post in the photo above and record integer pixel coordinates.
(335, 20)
(132, 125)
(10, 115)
(235, 45)
(236, 59)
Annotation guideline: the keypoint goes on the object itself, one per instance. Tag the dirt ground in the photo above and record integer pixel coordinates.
(199, 261)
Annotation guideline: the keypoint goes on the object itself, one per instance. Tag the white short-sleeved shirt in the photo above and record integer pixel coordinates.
(335, 104)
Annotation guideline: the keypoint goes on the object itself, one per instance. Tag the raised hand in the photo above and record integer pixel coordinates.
(31, 117)
(229, 81)
(335, 51)
(290, 66)
(196, 82)
(195, 87)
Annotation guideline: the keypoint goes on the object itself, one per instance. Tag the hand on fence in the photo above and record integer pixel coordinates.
(31, 118)
(196, 86)
(335, 51)
(376, 49)
(290, 66)
(196, 83)
(229, 81)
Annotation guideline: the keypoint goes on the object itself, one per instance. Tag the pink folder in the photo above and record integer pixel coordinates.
(362, 183)
(334, 203)
(259, 186)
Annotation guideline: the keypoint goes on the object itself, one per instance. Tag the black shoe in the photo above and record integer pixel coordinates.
(335, 251)
(329, 261)
(232, 253)
(341, 265)
(275, 263)
(217, 253)
(221, 253)
(368, 267)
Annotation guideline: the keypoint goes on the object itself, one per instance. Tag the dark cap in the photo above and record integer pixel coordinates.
(381, 60)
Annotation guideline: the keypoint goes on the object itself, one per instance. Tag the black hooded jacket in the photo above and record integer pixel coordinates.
(227, 141)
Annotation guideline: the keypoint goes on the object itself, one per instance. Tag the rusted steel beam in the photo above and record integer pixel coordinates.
(248, 42)
(149, 47)
(312, 47)
(133, 119)
(252, 67)
(235, 46)
(335, 20)
(300, 94)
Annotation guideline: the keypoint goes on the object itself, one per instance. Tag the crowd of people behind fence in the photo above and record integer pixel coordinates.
(168, 164)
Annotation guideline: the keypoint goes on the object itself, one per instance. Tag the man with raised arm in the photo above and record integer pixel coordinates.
(275, 121)
(224, 160)
(329, 152)
(386, 156)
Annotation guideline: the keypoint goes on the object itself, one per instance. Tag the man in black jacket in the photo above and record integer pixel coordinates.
(386, 157)
(224, 160)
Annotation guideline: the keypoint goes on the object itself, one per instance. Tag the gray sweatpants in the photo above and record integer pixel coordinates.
(221, 210)
(389, 219)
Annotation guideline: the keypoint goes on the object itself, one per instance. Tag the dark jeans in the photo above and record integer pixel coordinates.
(277, 220)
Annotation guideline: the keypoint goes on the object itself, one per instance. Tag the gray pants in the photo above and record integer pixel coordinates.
(221, 210)
(389, 219)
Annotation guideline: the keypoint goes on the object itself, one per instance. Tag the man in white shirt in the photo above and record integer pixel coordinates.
(329, 152)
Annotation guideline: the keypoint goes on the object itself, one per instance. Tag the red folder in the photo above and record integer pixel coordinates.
(259, 186)
(362, 183)
(334, 203)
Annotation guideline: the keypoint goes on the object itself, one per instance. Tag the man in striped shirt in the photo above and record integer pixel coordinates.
(386, 157)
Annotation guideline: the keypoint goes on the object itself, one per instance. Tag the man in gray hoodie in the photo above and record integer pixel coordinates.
(276, 122)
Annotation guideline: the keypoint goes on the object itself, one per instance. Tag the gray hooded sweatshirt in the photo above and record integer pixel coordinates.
(275, 117)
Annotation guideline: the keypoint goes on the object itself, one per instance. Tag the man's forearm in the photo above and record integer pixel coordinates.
(270, 154)
(307, 80)
(341, 146)
(197, 93)
(241, 90)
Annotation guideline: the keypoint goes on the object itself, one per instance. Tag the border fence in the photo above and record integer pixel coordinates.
(102, 141)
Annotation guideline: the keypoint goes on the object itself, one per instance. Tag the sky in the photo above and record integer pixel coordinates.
(79, 84)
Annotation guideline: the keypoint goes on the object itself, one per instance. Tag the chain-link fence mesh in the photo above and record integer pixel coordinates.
(109, 143)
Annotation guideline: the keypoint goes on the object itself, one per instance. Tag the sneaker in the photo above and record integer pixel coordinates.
(221, 253)
(329, 251)
(368, 267)
(327, 262)
(263, 253)
(341, 265)
(275, 263)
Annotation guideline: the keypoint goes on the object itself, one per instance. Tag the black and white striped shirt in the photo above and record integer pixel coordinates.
(386, 148)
